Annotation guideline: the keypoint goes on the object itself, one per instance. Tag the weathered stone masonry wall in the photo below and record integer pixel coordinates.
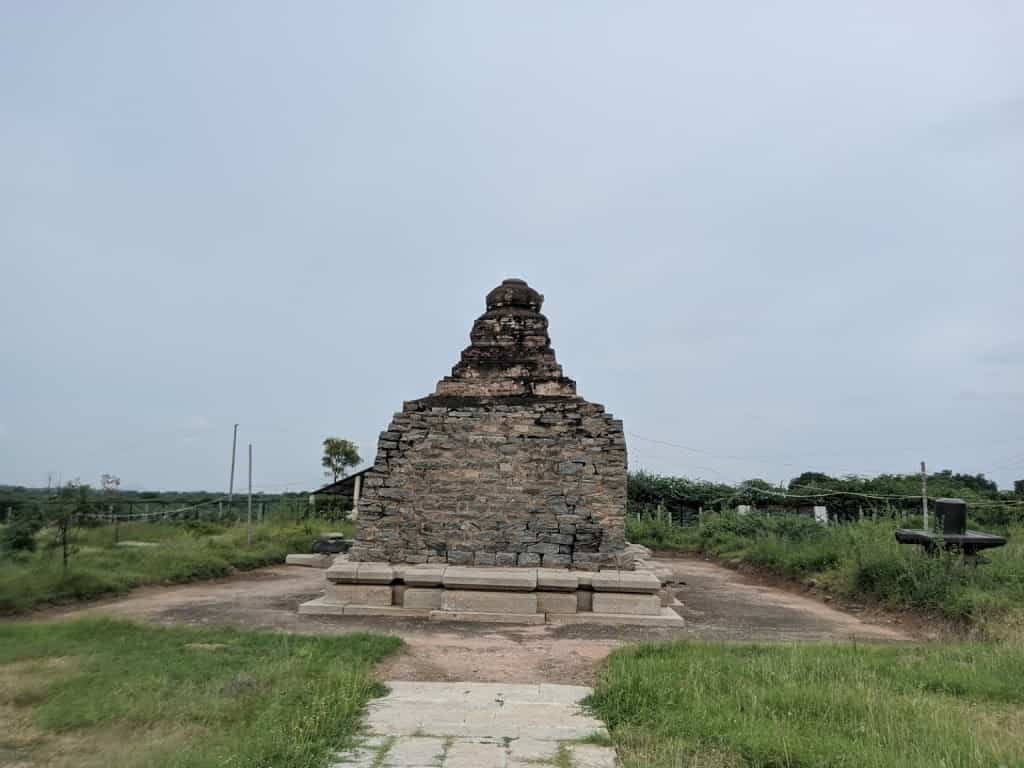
(497, 481)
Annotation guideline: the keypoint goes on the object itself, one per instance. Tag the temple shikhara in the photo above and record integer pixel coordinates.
(504, 464)
(501, 497)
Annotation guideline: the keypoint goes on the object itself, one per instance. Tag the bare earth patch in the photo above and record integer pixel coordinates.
(718, 604)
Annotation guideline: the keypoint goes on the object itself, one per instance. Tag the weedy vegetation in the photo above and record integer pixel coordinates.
(675, 705)
(861, 561)
(98, 693)
(35, 575)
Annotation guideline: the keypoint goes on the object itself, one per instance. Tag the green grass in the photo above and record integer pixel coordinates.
(861, 561)
(685, 704)
(94, 693)
(185, 553)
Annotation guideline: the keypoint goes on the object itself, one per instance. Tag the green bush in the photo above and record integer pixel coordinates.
(19, 535)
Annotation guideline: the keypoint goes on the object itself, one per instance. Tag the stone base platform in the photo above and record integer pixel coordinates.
(496, 595)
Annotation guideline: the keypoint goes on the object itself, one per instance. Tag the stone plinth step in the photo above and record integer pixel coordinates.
(387, 610)
(421, 575)
(375, 573)
(625, 581)
(343, 572)
(627, 602)
(667, 618)
(557, 580)
(488, 602)
(498, 579)
(488, 618)
(360, 594)
(361, 573)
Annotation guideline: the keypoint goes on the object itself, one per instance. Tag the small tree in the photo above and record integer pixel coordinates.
(63, 513)
(339, 454)
(1018, 487)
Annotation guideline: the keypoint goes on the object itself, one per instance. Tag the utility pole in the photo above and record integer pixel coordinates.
(924, 495)
(231, 482)
(248, 532)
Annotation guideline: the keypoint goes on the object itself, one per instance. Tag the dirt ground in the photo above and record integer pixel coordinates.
(717, 604)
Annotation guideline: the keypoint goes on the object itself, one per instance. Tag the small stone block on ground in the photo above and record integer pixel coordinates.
(499, 579)
(489, 602)
(556, 602)
(360, 594)
(616, 602)
(321, 606)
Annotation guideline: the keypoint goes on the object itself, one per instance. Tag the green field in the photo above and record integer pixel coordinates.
(838, 706)
(861, 561)
(185, 552)
(99, 693)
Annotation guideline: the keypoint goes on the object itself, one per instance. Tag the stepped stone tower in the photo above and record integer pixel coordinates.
(504, 464)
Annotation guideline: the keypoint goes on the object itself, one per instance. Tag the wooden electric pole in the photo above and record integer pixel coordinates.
(248, 533)
(924, 495)
(231, 482)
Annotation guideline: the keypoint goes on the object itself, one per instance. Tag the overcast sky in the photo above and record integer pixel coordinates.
(786, 235)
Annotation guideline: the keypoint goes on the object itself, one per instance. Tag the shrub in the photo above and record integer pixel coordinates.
(19, 535)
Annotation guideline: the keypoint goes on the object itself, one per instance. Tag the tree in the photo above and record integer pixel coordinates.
(339, 454)
(1018, 487)
(63, 514)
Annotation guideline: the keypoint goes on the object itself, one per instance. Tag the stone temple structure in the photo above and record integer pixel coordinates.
(504, 464)
(501, 497)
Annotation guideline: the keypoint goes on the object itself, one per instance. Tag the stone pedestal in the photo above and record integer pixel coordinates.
(499, 595)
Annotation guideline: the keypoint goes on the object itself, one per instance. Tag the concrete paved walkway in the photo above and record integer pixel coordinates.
(479, 725)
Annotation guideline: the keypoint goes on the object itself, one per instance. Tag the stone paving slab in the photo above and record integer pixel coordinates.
(478, 725)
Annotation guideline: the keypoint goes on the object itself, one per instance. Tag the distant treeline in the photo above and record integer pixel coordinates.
(680, 498)
(15, 498)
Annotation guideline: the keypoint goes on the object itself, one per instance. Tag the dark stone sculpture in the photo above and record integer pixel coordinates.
(954, 536)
